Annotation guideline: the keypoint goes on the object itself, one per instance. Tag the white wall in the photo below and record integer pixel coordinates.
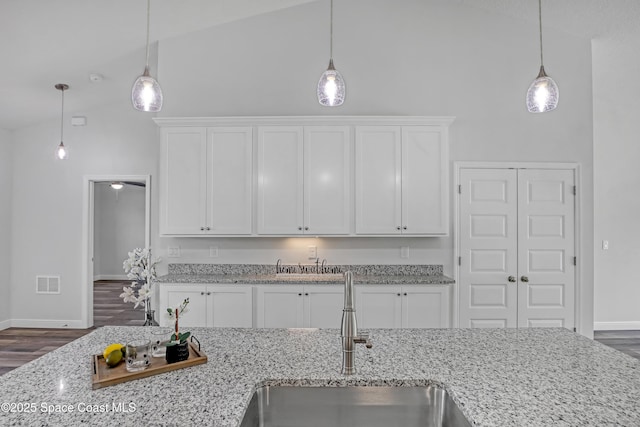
(119, 228)
(617, 212)
(407, 58)
(6, 185)
(47, 203)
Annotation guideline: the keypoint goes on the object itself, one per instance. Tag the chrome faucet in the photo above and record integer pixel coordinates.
(349, 329)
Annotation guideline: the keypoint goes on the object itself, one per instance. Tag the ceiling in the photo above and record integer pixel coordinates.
(65, 41)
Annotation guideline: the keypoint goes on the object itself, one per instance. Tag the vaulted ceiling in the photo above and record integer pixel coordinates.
(46, 42)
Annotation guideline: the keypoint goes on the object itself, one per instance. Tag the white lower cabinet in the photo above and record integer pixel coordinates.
(209, 305)
(408, 306)
(297, 306)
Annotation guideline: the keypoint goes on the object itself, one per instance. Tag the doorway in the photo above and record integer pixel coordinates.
(516, 246)
(103, 219)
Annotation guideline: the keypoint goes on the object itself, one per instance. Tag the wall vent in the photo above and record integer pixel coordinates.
(47, 284)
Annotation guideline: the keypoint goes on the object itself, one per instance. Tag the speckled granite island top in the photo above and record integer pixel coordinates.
(528, 377)
(250, 274)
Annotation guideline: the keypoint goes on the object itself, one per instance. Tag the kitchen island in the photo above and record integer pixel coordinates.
(498, 377)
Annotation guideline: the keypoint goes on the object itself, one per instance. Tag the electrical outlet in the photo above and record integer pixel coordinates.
(312, 252)
(404, 252)
(605, 245)
(213, 251)
(173, 252)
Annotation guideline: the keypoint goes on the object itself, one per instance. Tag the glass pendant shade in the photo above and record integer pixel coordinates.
(62, 152)
(146, 94)
(543, 94)
(331, 87)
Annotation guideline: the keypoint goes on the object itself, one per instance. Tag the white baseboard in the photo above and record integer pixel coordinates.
(5, 324)
(111, 277)
(47, 323)
(616, 326)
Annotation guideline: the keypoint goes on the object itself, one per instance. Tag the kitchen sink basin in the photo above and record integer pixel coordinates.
(289, 406)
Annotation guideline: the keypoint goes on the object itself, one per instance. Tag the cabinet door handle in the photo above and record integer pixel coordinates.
(208, 293)
(404, 228)
(300, 295)
(398, 293)
(300, 228)
(511, 279)
(201, 293)
(398, 228)
(524, 279)
(306, 228)
(208, 228)
(201, 228)
(405, 294)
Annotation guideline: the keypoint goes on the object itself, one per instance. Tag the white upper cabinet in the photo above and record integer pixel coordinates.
(401, 180)
(206, 181)
(303, 180)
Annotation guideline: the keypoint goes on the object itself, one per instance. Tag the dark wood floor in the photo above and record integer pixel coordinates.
(21, 345)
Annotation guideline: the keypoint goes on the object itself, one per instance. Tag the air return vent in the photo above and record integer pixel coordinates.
(47, 284)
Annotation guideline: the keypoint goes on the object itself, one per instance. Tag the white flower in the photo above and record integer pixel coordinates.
(128, 295)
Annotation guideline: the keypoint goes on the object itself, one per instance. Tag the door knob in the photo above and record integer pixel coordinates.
(511, 279)
(524, 279)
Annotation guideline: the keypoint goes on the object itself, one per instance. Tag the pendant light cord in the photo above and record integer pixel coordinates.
(540, 23)
(148, 20)
(331, 32)
(62, 118)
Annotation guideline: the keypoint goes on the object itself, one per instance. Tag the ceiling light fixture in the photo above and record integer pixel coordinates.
(146, 94)
(543, 94)
(331, 87)
(117, 185)
(62, 152)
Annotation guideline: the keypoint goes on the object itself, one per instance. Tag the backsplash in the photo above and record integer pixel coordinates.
(315, 268)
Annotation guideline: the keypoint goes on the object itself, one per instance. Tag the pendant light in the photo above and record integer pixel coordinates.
(331, 87)
(62, 152)
(146, 94)
(543, 94)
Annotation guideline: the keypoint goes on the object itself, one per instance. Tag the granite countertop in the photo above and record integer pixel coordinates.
(499, 377)
(306, 279)
(250, 274)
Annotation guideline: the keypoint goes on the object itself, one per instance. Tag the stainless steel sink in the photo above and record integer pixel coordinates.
(289, 406)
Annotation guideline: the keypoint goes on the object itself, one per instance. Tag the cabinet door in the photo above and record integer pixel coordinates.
(279, 306)
(378, 180)
(280, 155)
(171, 296)
(327, 180)
(323, 306)
(230, 306)
(229, 180)
(425, 306)
(424, 181)
(183, 172)
(379, 306)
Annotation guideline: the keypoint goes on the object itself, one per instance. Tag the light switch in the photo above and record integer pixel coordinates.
(173, 252)
(213, 251)
(404, 252)
(605, 245)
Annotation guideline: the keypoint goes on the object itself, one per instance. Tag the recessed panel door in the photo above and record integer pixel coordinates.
(488, 248)
(546, 248)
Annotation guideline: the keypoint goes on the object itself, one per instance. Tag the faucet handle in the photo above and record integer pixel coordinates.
(363, 338)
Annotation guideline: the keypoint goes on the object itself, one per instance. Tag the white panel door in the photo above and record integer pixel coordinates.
(424, 177)
(378, 180)
(172, 296)
(280, 175)
(230, 306)
(327, 180)
(230, 180)
(323, 306)
(546, 248)
(379, 306)
(183, 172)
(279, 306)
(488, 248)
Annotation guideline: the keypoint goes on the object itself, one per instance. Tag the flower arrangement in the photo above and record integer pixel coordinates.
(174, 315)
(141, 269)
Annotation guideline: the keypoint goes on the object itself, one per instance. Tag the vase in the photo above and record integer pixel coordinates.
(149, 319)
(177, 352)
